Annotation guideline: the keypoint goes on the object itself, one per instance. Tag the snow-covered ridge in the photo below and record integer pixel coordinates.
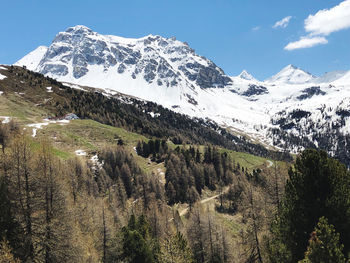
(32, 60)
(291, 75)
(170, 73)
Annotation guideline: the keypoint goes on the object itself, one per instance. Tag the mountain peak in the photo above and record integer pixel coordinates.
(291, 66)
(78, 28)
(80, 55)
(291, 75)
(245, 75)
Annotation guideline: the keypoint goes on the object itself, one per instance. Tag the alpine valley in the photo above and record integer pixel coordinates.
(125, 150)
(292, 110)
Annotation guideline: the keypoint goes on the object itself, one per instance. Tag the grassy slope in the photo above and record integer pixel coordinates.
(88, 135)
(91, 136)
(13, 104)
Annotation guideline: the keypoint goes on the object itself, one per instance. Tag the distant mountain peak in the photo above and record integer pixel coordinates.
(291, 66)
(78, 28)
(82, 56)
(291, 75)
(331, 76)
(245, 75)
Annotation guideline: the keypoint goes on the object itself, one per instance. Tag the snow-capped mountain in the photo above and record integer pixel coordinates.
(247, 76)
(32, 60)
(291, 75)
(154, 68)
(331, 76)
(283, 110)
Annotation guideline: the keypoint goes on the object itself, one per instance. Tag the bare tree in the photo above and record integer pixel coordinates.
(252, 215)
(22, 186)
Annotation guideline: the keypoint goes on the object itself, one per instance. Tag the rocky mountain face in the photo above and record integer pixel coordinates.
(291, 110)
(159, 60)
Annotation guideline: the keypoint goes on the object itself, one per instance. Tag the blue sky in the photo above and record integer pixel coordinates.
(235, 34)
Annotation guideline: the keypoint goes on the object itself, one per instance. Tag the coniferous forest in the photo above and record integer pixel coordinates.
(160, 193)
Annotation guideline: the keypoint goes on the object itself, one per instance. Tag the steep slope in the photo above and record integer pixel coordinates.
(32, 60)
(47, 97)
(168, 72)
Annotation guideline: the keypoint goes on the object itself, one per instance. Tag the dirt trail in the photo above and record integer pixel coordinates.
(203, 201)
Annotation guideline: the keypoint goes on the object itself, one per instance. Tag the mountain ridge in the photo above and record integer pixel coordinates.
(169, 72)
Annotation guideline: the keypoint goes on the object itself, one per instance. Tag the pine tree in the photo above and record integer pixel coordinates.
(51, 224)
(317, 186)
(324, 245)
(196, 236)
(4, 136)
(138, 245)
(120, 193)
(174, 249)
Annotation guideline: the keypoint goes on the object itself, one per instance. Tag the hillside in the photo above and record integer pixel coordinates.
(170, 73)
(106, 162)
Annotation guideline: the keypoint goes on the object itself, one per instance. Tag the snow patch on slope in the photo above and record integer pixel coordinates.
(6, 119)
(2, 77)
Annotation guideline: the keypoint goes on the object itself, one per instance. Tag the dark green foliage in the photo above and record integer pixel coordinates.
(324, 245)
(317, 186)
(186, 169)
(156, 148)
(121, 167)
(138, 244)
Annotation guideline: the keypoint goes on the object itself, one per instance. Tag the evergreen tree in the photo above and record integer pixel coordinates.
(317, 186)
(174, 249)
(324, 245)
(138, 245)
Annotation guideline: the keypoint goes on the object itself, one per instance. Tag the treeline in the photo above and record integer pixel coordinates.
(133, 115)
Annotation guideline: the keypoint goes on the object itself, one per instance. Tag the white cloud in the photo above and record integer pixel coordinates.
(322, 24)
(256, 28)
(306, 42)
(283, 23)
(327, 21)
